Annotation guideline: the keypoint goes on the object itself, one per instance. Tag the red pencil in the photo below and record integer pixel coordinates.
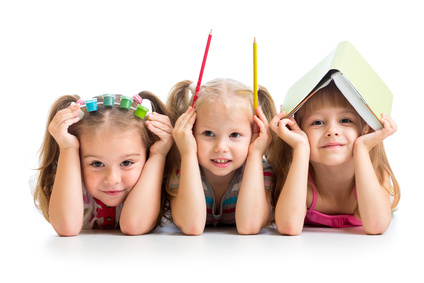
(199, 81)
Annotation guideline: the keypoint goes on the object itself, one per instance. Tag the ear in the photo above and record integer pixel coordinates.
(366, 129)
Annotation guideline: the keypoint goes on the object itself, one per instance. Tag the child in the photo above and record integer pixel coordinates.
(223, 136)
(339, 174)
(91, 165)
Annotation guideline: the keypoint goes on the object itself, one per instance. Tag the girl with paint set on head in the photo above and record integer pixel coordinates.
(333, 169)
(102, 164)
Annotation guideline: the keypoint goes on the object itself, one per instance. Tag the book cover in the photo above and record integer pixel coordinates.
(353, 76)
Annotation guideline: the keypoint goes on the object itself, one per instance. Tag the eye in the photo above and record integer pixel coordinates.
(127, 163)
(317, 123)
(209, 133)
(234, 135)
(345, 120)
(97, 164)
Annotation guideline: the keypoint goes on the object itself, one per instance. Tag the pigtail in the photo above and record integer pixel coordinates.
(159, 107)
(179, 100)
(266, 102)
(49, 156)
(279, 154)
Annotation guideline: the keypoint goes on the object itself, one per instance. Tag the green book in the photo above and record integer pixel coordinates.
(358, 82)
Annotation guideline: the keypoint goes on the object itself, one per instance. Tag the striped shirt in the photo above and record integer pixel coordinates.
(226, 212)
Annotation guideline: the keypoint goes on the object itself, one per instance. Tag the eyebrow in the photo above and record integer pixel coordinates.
(123, 157)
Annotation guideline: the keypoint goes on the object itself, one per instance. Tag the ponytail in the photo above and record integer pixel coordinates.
(49, 156)
(266, 102)
(157, 105)
(179, 100)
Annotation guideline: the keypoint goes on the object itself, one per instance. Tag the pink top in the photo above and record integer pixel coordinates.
(316, 218)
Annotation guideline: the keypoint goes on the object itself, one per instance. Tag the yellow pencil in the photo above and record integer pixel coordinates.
(255, 76)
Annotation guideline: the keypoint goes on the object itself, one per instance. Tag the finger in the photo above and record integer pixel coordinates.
(163, 135)
(154, 116)
(162, 125)
(61, 118)
(184, 118)
(293, 124)
(389, 122)
(260, 114)
(276, 120)
(261, 126)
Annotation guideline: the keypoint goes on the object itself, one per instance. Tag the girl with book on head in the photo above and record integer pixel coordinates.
(337, 173)
(219, 173)
(102, 164)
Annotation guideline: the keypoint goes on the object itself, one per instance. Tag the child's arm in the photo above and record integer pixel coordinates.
(189, 206)
(291, 207)
(253, 203)
(66, 207)
(373, 199)
(142, 206)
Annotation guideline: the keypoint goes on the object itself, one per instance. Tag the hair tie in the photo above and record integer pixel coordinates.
(137, 98)
(192, 88)
(80, 101)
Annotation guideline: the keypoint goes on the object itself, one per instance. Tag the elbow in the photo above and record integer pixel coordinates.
(192, 230)
(134, 228)
(376, 225)
(289, 228)
(376, 228)
(248, 228)
(67, 230)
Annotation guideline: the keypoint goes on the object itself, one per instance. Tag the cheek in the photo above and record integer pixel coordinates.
(91, 180)
(131, 177)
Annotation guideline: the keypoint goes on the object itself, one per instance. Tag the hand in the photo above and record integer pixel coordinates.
(261, 137)
(294, 136)
(183, 132)
(160, 125)
(60, 124)
(371, 139)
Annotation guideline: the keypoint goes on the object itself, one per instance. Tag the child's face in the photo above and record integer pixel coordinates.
(332, 133)
(222, 138)
(111, 164)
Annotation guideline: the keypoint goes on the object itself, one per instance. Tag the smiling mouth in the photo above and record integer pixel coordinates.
(335, 145)
(112, 193)
(221, 161)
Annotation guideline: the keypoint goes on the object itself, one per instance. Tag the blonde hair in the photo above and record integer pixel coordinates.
(223, 91)
(331, 96)
(116, 119)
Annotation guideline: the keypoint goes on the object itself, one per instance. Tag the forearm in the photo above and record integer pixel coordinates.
(373, 199)
(253, 207)
(66, 207)
(290, 210)
(189, 206)
(142, 206)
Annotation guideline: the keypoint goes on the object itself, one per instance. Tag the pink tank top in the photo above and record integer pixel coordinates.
(316, 218)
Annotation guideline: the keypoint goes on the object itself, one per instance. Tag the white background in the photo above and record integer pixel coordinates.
(52, 48)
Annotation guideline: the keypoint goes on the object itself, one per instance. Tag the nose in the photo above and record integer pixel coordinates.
(221, 145)
(333, 130)
(113, 176)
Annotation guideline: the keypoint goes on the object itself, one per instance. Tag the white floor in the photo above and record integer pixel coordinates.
(319, 254)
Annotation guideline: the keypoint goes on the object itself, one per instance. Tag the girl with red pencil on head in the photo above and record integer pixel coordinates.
(219, 173)
(333, 170)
